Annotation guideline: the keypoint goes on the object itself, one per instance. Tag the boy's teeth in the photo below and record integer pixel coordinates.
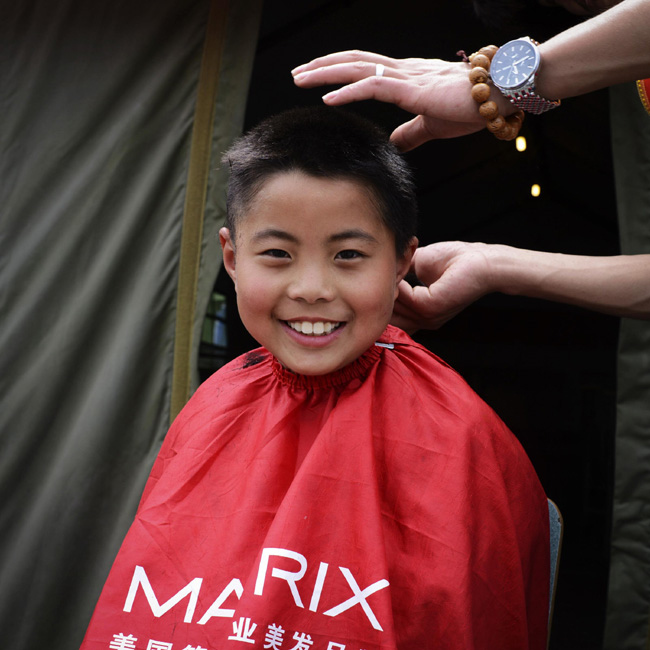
(317, 329)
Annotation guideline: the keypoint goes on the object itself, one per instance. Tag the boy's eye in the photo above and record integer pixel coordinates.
(349, 254)
(276, 252)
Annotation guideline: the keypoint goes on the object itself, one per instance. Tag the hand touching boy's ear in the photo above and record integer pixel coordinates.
(452, 276)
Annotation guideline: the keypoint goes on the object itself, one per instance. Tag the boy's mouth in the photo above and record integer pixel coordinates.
(319, 328)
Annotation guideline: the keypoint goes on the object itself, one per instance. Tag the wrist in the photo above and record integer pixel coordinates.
(552, 79)
(509, 269)
(501, 121)
(506, 108)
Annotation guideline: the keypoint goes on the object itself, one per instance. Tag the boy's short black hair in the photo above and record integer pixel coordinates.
(327, 143)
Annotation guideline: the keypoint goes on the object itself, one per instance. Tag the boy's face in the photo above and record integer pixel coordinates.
(315, 271)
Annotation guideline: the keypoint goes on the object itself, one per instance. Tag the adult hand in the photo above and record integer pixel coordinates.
(436, 91)
(455, 274)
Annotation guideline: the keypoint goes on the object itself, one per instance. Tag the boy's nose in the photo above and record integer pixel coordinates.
(311, 283)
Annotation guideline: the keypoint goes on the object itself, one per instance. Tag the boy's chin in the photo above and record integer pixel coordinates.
(308, 370)
(313, 367)
(318, 367)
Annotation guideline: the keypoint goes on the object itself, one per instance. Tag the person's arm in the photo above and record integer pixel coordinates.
(608, 49)
(455, 274)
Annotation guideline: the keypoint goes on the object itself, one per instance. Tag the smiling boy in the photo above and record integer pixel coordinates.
(339, 488)
(315, 269)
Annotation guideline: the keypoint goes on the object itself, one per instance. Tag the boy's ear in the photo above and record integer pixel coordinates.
(404, 262)
(228, 248)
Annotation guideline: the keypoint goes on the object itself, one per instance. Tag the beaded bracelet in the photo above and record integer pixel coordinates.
(503, 128)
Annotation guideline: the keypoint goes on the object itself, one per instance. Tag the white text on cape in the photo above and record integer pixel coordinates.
(193, 588)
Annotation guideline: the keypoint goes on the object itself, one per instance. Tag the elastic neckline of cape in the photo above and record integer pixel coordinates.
(358, 369)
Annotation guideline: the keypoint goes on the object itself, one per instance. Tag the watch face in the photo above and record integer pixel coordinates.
(514, 64)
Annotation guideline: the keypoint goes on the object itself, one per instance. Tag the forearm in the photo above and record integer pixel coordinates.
(618, 285)
(611, 48)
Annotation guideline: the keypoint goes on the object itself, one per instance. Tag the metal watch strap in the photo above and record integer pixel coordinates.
(530, 102)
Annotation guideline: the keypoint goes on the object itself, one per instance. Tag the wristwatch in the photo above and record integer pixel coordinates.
(513, 70)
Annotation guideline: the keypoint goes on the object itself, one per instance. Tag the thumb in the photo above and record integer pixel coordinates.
(418, 299)
(423, 128)
(411, 134)
(419, 307)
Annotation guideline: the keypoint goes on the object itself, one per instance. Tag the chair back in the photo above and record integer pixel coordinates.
(556, 530)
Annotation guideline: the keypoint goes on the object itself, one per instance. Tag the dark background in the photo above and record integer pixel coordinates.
(547, 369)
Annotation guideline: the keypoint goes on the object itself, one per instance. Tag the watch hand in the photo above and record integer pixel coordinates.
(521, 60)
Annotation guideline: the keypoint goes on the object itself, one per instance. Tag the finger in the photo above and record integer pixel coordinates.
(416, 309)
(402, 316)
(429, 304)
(404, 291)
(340, 73)
(347, 56)
(413, 304)
(412, 299)
(412, 310)
(383, 89)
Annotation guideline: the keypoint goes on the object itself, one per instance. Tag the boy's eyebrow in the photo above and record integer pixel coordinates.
(352, 233)
(274, 233)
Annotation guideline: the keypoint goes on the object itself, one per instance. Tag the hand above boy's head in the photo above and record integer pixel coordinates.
(321, 216)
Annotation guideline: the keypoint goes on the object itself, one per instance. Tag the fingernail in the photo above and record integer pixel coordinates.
(329, 96)
(297, 70)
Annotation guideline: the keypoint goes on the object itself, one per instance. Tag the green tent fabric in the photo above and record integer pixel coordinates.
(113, 120)
(628, 608)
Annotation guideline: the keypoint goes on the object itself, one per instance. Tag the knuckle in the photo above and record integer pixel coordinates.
(360, 66)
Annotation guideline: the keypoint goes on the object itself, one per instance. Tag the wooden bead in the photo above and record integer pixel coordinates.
(478, 75)
(489, 51)
(480, 93)
(503, 128)
(496, 123)
(488, 110)
(509, 132)
(516, 118)
(515, 124)
(480, 60)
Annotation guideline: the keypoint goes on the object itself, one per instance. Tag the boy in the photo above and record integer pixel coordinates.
(340, 488)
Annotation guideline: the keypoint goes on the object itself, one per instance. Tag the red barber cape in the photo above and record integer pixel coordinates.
(382, 506)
